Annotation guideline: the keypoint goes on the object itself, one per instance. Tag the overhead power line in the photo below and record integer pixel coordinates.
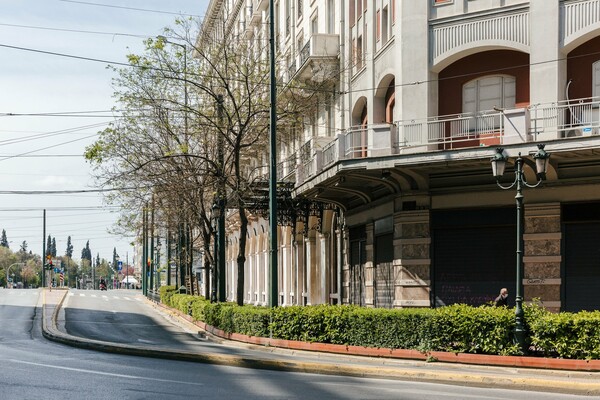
(75, 30)
(76, 191)
(87, 3)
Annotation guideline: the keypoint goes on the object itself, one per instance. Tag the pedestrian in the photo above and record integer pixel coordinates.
(502, 299)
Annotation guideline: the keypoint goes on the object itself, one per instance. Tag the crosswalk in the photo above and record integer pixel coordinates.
(105, 297)
(20, 292)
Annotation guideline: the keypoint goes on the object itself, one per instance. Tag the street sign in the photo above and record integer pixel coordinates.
(119, 265)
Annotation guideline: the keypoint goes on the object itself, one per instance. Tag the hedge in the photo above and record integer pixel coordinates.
(455, 328)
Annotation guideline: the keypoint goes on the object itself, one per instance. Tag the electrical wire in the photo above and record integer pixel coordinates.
(75, 31)
(87, 3)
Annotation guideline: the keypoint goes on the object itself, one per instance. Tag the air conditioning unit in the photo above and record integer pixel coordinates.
(578, 131)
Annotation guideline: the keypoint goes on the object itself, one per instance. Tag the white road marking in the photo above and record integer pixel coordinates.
(94, 295)
(82, 294)
(71, 294)
(89, 371)
(127, 298)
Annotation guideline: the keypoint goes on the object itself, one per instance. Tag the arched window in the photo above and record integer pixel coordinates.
(488, 92)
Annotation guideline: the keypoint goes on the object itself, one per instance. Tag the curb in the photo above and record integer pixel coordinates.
(51, 332)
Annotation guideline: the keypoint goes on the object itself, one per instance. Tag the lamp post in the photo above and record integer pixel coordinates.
(157, 265)
(498, 165)
(215, 218)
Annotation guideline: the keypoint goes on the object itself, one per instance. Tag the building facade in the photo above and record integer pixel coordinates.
(403, 210)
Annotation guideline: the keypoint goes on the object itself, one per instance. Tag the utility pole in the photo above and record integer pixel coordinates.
(169, 256)
(151, 257)
(44, 250)
(273, 292)
(144, 250)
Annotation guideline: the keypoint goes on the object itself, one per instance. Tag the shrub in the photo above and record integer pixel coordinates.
(166, 293)
(568, 335)
(455, 328)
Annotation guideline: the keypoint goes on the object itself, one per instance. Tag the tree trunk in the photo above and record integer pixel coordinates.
(241, 258)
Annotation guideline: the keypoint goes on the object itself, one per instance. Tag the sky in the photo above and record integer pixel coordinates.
(41, 152)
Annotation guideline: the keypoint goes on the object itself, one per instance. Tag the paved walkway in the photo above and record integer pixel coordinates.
(254, 356)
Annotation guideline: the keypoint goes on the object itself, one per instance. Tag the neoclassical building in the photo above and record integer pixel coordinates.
(401, 208)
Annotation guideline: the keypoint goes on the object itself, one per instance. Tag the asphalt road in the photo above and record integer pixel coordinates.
(33, 368)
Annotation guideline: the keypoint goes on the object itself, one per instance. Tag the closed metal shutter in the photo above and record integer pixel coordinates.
(474, 255)
(581, 271)
(384, 271)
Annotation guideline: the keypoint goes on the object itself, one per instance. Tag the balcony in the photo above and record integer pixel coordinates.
(261, 5)
(575, 119)
(255, 16)
(370, 141)
(565, 119)
(318, 59)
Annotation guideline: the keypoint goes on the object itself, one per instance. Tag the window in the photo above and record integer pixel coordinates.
(314, 25)
(596, 79)
(384, 25)
(378, 26)
(287, 18)
(331, 16)
(359, 48)
(331, 118)
(484, 94)
(299, 8)
(489, 92)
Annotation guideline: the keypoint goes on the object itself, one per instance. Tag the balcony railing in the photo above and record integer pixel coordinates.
(561, 120)
(370, 141)
(566, 119)
(451, 131)
(320, 49)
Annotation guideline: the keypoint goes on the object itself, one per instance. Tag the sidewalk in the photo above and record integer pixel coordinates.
(255, 356)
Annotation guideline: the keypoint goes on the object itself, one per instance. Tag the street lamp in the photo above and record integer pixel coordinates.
(215, 221)
(498, 166)
(157, 266)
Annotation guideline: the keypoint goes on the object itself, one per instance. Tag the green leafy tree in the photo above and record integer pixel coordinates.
(4, 239)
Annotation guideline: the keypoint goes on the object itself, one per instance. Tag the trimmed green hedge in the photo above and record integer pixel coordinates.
(455, 328)
(568, 335)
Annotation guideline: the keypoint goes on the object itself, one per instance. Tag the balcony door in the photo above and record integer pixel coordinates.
(485, 94)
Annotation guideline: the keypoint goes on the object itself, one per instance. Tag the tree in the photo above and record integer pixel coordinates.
(189, 127)
(86, 253)
(69, 251)
(23, 248)
(29, 275)
(49, 245)
(4, 239)
(53, 247)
